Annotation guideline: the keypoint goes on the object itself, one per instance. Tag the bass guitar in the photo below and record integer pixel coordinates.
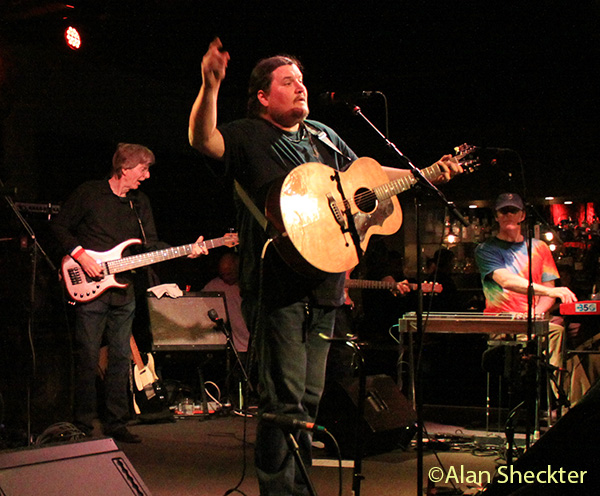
(148, 394)
(82, 288)
(316, 221)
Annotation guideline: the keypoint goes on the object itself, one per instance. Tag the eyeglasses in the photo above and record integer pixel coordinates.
(509, 210)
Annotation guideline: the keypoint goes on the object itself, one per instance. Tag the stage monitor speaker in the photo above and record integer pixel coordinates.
(183, 323)
(389, 421)
(571, 445)
(85, 468)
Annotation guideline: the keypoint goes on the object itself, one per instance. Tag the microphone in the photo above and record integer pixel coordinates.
(291, 423)
(214, 316)
(221, 325)
(335, 97)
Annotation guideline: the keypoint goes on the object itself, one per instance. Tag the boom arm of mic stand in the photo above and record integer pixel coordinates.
(421, 179)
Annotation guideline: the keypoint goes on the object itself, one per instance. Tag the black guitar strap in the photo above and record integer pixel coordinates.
(139, 222)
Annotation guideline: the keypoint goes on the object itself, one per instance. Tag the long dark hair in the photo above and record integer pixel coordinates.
(261, 78)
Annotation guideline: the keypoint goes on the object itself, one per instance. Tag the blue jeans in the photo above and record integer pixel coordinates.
(93, 321)
(292, 360)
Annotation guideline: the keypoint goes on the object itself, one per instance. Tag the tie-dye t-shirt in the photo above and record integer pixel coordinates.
(496, 254)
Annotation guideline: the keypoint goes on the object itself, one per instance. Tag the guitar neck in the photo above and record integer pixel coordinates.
(402, 184)
(430, 173)
(363, 284)
(135, 353)
(143, 259)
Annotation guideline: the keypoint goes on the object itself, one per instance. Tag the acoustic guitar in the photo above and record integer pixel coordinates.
(316, 222)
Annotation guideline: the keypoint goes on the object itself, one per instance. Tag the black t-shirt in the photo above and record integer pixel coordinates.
(257, 154)
(97, 219)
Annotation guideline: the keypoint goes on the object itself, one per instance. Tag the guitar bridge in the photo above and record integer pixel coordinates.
(75, 275)
(337, 214)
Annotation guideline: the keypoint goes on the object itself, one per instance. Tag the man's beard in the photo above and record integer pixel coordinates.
(292, 117)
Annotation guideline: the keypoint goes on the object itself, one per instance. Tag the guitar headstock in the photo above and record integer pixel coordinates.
(231, 239)
(428, 287)
(467, 157)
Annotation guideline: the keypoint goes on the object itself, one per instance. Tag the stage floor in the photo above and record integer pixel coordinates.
(210, 457)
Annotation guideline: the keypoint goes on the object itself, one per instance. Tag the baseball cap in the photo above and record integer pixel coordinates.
(509, 200)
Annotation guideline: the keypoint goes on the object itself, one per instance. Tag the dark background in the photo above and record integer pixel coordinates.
(516, 75)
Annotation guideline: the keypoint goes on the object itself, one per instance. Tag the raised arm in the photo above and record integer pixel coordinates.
(202, 132)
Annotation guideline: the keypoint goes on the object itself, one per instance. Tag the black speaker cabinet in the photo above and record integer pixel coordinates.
(90, 468)
(183, 323)
(389, 421)
(571, 446)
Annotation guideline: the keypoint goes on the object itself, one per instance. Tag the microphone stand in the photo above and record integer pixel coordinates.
(359, 437)
(421, 179)
(425, 185)
(295, 450)
(350, 225)
(532, 389)
(226, 330)
(359, 434)
(36, 250)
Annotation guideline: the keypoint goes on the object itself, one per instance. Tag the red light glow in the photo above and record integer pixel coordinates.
(73, 38)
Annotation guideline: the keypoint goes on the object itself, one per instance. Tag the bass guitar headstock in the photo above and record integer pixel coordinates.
(231, 239)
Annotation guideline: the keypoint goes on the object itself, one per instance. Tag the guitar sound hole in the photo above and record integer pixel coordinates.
(365, 200)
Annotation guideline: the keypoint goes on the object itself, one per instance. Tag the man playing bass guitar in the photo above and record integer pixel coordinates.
(97, 216)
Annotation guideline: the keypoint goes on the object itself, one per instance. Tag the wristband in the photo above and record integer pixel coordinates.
(77, 252)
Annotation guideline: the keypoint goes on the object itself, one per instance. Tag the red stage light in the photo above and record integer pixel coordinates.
(73, 38)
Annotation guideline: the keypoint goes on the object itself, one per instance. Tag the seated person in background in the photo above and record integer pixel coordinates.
(227, 282)
(504, 266)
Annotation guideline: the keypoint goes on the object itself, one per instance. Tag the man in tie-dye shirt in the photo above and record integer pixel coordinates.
(504, 265)
(503, 262)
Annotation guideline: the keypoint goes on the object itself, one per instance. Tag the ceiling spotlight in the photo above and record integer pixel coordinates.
(73, 38)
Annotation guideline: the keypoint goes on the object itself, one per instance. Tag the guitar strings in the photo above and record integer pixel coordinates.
(370, 195)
